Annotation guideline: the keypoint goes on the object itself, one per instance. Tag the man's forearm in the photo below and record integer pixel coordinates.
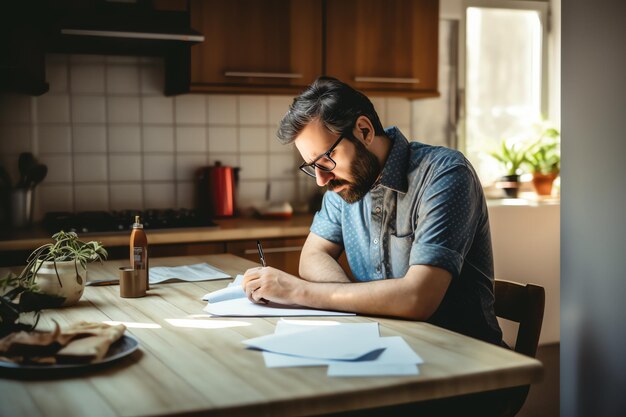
(321, 267)
(391, 297)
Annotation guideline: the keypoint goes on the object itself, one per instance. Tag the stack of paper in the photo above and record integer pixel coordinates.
(233, 302)
(348, 349)
(190, 273)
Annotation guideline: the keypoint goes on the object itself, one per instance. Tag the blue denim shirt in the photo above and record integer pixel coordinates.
(428, 208)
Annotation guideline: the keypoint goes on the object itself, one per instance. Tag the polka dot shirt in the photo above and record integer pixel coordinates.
(427, 209)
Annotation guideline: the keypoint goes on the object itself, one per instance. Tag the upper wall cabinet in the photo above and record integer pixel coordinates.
(384, 46)
(256, 46)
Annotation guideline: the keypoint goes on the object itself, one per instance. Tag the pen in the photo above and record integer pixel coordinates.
(260, 248)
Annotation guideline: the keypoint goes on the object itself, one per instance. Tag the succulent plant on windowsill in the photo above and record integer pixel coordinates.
(511, 157)
(544, 160)
(55, 275)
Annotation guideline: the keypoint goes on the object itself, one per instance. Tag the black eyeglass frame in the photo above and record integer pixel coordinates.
(326, 154)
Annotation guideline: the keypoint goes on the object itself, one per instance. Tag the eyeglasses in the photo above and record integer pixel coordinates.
(324, 162)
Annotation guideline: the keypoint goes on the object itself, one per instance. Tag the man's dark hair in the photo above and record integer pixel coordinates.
(334, 103)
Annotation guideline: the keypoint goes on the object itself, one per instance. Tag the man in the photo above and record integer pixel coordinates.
(412, 219)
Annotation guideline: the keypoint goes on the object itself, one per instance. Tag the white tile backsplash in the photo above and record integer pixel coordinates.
(252, 110)
(158, 139)
(278, 106)
(226, 159)
(191, 139)
(253, 139)
(190, 109)
(122, 79)
(222, 109)
(158, 110)
(53, 108)
(152, 79)
(59, 168)
(283, 190)
(187, 165)
(16, 139)
(223, 139)
(15, 108)
(55, 139)
(126, 196)
(90, 168)
(158, 168)
(159, 196)
(88, 109)
(124, 139)
(282, 166)
(123, 110)
(125, 167)
(398, 111)
(55, 197)
(87, 78)
(253, 167)
(88, 139)
(251, 192)
(91, 197)
(112, 140)
(185, 195)
(57, 76)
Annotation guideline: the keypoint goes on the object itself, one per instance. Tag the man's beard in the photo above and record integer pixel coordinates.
(364, 169)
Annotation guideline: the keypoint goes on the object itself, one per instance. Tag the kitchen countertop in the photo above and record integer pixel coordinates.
(229, 229)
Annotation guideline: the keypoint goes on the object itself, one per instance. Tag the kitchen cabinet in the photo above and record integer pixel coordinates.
(262, 46)
(384, 46)
(283, 254)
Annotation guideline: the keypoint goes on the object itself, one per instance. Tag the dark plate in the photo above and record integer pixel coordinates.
(122, 348)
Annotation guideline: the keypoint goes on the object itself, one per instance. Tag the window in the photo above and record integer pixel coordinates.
(505, 78)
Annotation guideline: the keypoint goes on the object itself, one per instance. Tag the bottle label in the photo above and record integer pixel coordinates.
(138, 257)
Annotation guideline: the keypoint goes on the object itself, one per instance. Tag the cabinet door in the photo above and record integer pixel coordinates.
(283, 254)
(384, 45)
(270, 44)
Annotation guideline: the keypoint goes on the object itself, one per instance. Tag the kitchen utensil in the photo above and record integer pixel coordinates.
(21, 207)
(25, 162)
(36, 174)
(217, 189)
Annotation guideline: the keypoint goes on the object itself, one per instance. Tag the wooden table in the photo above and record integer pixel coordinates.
(191, 364)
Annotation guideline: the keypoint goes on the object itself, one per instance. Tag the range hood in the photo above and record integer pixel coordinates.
(126, 28)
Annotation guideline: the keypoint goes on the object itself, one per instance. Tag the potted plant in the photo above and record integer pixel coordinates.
(544, 159)
(55, 275)
(511, 156)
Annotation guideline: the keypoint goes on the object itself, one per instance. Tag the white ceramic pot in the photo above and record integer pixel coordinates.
(67, 284)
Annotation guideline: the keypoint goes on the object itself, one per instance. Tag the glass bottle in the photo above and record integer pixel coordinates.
(139, 251)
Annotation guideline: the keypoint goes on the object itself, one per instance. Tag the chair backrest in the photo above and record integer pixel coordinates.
(524, 304)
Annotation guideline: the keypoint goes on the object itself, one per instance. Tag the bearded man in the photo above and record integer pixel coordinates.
(412, 219)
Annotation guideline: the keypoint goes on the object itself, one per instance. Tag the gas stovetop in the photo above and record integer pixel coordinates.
(114, 221)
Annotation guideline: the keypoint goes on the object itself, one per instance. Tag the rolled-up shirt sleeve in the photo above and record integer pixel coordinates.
(448, 216)
(327, 221)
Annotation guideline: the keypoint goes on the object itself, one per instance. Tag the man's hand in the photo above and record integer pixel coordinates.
(270, 284)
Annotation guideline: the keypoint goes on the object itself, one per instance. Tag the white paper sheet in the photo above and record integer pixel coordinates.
(347, 342)
(242, 307)
(232, 291)
(190, 273)
(397, 352)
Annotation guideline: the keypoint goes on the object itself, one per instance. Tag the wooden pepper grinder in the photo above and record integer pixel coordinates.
(139, 251)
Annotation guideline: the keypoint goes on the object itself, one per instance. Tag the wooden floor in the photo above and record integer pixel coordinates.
(543, 398)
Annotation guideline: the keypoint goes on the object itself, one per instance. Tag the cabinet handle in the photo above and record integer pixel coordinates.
(262, 74)
(386, 80)
(133, 35)
(274, 250)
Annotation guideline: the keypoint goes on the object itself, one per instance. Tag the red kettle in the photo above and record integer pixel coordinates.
(217, 188)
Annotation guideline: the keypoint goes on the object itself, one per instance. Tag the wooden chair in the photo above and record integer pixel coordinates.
(523, 304)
